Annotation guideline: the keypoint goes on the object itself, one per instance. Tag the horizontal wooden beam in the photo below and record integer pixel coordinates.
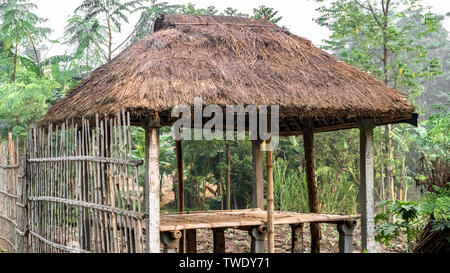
(130, 162)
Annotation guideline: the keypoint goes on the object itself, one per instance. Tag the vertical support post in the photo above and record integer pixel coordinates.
(366, 186)
(85, 240)
(258, 169)
(191, 241)
(170, 241)
(152, 185)
(219, 240)
(297, 238)
(227, 151)
(258, 235)
(270, 205)
(179, 153)
(22, 205)
(12, 162)
(313, 198)
(345, 230)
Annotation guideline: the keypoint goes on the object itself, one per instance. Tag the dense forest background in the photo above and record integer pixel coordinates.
(400, 42)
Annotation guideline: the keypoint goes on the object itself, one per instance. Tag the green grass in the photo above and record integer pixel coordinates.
(291, 191)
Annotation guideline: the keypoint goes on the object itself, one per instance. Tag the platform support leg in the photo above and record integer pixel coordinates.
(219, 240)
(258, 235)
(297, 238)
(346, 236)
(191, 241)
(170, 241)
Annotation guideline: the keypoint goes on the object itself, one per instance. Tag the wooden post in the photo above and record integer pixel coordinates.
(152, 185)
(313, 198)
(270, 222)
(191, 241)
(179, 153)
(227, 148)
(12, 162)
(366, 186)
(297, 238)
(258, 169)
(22, 205)
(86, 225)
(219, 240)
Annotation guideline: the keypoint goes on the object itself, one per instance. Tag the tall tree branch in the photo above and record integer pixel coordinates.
(370, 9)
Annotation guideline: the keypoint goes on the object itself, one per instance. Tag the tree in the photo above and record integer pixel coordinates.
(148, 16)
(380, 37)
(114, 13)
(88, 36)
(19, 26)
(266, 13)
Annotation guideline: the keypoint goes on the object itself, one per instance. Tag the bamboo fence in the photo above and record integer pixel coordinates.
(12, 198)
(84, 194)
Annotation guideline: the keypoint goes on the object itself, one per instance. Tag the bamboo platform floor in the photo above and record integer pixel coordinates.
(242, 218)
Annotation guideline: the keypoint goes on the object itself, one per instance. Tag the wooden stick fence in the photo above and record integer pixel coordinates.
(84, 193)
(12, 198)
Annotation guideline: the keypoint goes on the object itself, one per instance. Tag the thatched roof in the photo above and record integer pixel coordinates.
(231, 61)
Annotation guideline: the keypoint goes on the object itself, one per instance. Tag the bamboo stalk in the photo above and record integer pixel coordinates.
(270, 199)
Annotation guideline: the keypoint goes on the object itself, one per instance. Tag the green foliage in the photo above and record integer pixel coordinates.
(408, 212)
(435, 133)
(88, 37)
(266, 13)
(150, 13)
(437, 204)
(114, 13)
(361, 31)
(290, 188)
(434, 205)
(23, 102)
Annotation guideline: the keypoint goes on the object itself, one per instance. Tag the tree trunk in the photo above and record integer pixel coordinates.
(403, 180)
(15, 62)
(36, 57)
(228, 182)
(109, 39)
(205, 184)
(313, 197)
(388, 151)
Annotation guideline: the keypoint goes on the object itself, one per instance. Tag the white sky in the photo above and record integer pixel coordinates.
(297, 15)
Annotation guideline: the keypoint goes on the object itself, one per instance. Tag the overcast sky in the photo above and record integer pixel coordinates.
(297, 16)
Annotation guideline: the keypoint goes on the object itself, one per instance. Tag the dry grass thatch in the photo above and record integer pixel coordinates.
(229, 61)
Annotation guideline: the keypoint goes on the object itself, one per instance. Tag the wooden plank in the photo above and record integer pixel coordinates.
(130, 162)
(242, 218)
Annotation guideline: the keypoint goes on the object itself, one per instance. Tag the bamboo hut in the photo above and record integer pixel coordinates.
(239, 61)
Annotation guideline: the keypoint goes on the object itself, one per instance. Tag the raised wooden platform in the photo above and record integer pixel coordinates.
(242, 218)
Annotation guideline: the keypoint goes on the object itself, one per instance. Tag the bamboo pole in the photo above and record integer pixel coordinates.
(270, 205)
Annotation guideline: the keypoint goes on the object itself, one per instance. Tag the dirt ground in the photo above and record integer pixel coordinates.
(237, 241)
